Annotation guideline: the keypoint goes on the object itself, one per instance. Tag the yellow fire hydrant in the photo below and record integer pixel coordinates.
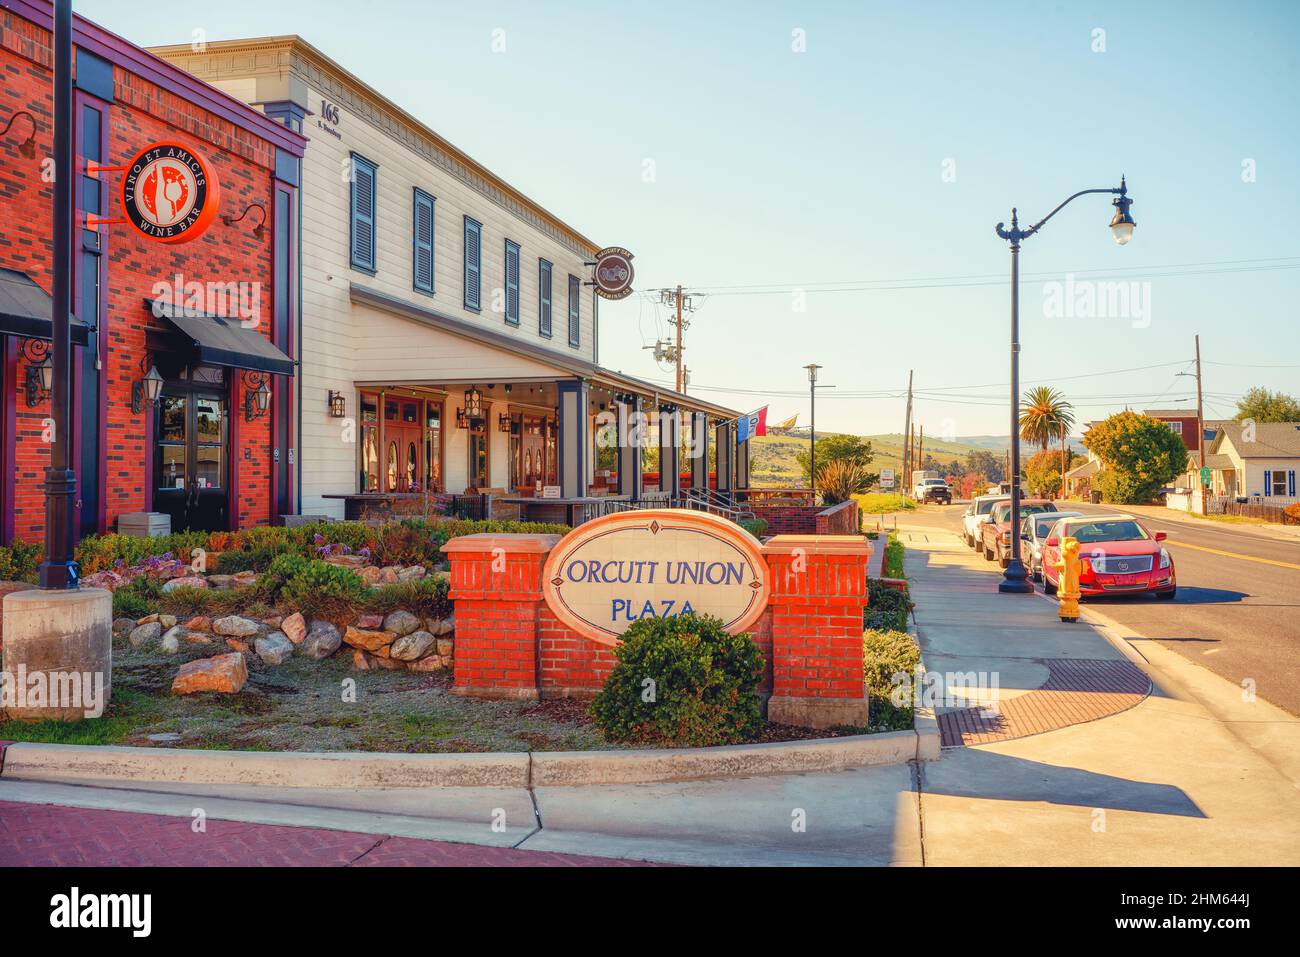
(1068, 583)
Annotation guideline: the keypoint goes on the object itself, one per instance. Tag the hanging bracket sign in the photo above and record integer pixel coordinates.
(614, 273)
(655, 563)
(170, 194)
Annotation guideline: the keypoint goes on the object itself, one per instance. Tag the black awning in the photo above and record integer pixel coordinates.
(220, 341)
(26, 308)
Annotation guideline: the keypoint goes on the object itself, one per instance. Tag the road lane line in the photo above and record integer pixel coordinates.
(1248, 558)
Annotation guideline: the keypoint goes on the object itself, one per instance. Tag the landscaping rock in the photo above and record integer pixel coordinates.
(346, 561)
(445, 647)
(369, 575)
(239, 645)
(412, 573)
(220, 581)
(367, 640)
(224, 673)
(123, 626)
(199, 623)
(323, 639)
(167, 621)
(274, 622)
(232, 626)
(274, 649)
(147, 620)
(294, 628)
(185, 581)
(195, 637)
(171, 641)
(242, 579)
(388, 575)
(412, 646)
(360, 660)
(439, 626)
(431, 663)
(145, 634)
(401, 623)
(370, 621)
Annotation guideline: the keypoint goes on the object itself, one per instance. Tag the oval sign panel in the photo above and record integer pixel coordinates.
(655, 563)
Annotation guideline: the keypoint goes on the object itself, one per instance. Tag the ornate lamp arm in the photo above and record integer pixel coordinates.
(1015, 233)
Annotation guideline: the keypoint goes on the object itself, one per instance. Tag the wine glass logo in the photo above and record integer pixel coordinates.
(166, 196)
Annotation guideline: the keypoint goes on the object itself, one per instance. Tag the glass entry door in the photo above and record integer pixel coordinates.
(191, 455)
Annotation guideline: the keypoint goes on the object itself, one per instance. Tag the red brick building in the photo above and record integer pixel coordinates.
(216, 318)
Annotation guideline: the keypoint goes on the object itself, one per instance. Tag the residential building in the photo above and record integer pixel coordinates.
(450, 327)
(1255, 460)
(182, 350)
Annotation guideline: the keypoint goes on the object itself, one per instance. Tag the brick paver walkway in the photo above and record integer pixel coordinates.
(53, 835)
(1078, 690)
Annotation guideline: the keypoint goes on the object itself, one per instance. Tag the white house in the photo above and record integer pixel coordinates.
(1255, 460)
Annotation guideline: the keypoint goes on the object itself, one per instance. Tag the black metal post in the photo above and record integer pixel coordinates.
(812, 433)
(1015, 579)
(59, 570)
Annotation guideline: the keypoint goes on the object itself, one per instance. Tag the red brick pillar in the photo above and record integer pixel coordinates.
(496, 583)
(819, 591)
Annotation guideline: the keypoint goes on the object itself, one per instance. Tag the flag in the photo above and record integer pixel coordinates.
(748, 426)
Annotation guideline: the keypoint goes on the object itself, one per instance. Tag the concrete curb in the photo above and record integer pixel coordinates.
(96, 764)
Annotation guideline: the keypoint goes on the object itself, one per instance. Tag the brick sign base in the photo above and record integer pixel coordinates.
(510, 645)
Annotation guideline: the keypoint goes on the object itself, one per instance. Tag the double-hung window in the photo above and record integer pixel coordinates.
(363, 213)
(575, 305)
(512, 283)
(422, 242)
(473, 264)
(544, 271)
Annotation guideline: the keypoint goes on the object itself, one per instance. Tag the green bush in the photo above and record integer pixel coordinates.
(886, 654)
(887, 608)
(280, 571)
(681, 682)
(137, 598)
(97, 553)
(324, 590)
(19, 562)
(755, 526)
(426, 597)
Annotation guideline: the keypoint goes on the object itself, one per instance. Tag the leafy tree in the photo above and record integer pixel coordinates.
(1264, 406)
(836, 448)
(986, 464)
(1140, 453)
(1043, 471)
(1045, 416)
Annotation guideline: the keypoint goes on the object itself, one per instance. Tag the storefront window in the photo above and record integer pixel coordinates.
(433, 445)
(369, 442)
(478, 458)
(392, 466)
(210, 435)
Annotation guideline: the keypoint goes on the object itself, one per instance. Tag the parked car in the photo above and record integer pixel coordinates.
(942, 494)
(926, 487)
(1118, 555)
(977, 513)
(1034, 530)
(995, 534)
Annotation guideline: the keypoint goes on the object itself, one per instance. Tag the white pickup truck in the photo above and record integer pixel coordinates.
(936, 489)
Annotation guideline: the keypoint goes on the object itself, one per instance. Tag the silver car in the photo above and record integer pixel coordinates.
(1034, 530)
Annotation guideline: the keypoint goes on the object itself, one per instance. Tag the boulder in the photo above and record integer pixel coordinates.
(171, 641)
(224, 673)
(123, 626)
(274, 649)
(185, 581)
(368, 640)
(346, 561)
(167, 621)
(323, 639)
(195, 637)
(388, 575)
(370, 621)
(294, 628)
(360, 660)
(412, 573)
(401, 623)
(242, 579)
(410, 647)
(147, 619)
(220, 581)
(273, 622)
(239, 645)
(232, 626)
(439, 626)
(145, 634)
(369, 575)
(199, 623)
(431, 663)
(445, 646)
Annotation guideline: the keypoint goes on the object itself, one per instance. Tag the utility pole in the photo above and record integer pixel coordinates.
(678, 350)
(680, 302)
(1200, 431)
(920, 448)
(812, 427)
(907, 437)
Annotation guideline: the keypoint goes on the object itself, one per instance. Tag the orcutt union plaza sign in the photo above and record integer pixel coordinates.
(540, 615)
(655, 563)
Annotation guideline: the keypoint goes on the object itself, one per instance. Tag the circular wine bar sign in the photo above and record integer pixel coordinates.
(655, 563)
(170, 194)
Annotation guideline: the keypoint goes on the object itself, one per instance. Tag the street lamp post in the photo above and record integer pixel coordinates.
(1015, 579)
(812, 427)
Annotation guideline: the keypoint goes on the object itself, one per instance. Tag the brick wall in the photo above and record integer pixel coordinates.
(839, 519)
(142, 113)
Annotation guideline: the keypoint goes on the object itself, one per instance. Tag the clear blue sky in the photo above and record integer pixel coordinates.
(777, 170)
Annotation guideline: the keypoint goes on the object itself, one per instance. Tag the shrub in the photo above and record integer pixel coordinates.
(887, 653)
(281, 570)
(1292, 514)
(699, 680)
(426, 597)
(887, 608)
(840, 480)
(324, 590)
(137, 598)
(97, 553)
(755, 526)
(410, 542)
(19, 562)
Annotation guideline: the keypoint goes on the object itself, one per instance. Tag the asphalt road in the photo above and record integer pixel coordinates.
(1237, 611)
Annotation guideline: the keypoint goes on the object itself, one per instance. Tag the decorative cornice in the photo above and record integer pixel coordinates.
(294, 55)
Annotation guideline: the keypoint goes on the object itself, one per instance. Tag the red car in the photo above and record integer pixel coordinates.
(995, 534)
(1118, 556)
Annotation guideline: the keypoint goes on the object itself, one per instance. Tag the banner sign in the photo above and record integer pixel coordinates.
(655, 563)
(613, 273)
(748, 426)
(170, 194)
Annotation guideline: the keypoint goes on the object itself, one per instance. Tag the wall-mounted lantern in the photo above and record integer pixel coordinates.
(338, 404)
(146, 390)
(462, 420)
(473, 403)
(257, 395)
(28, 146)
(503, 422)
(40, 370)
(261, 223)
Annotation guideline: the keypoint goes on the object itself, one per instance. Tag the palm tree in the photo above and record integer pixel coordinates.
(1045, 416)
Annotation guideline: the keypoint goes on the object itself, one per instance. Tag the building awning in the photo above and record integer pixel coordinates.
(26, 308)
(221, 341)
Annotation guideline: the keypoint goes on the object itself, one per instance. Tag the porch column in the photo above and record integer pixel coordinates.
(742, 464)
(700, 458)
(574, 398)
(726, 450)
(670, 442)
(629, 446)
